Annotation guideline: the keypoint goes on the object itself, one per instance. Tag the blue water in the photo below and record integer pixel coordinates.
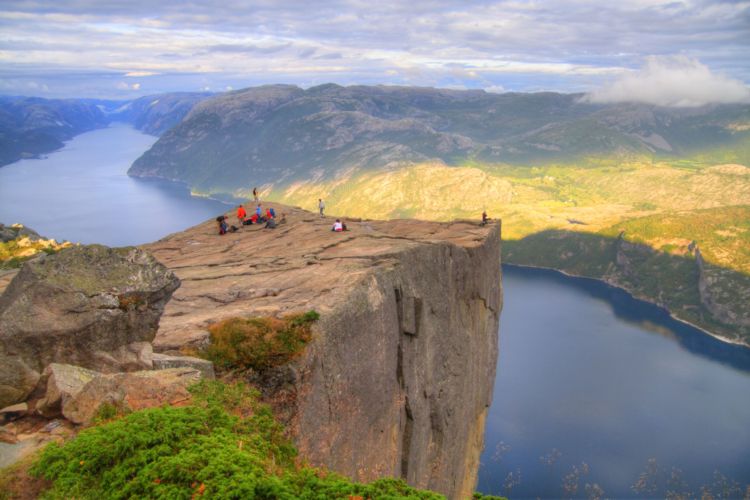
(589, 375)
(82, 193)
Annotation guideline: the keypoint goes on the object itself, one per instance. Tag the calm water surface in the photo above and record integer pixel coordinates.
(82, 193)
(594, 387)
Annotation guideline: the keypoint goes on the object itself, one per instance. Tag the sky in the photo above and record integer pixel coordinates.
(679, 53)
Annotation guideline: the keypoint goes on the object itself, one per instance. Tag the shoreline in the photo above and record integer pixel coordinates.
(642, 299)
(191, 192)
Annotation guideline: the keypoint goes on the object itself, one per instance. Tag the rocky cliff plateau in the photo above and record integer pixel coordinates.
(399, 376)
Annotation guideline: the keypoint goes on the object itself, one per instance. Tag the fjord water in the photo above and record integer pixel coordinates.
(82, 193)
(589, 375)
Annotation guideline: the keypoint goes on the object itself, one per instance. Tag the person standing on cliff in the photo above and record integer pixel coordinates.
(255, 195)
(241, 214)
(321, 206)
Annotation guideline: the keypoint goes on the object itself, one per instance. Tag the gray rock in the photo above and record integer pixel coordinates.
(10, 233)
(89, 306)
(62, 383)
(17, 408)
(164, 361)
(13, 412)
(17, 379)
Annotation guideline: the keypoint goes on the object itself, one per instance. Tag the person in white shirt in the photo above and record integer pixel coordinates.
(337, 226)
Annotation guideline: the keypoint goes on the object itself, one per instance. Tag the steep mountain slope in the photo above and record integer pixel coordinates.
(155, 114)
(30, 126)
(280, 134)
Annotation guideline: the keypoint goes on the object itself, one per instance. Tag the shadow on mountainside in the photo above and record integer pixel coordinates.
(709, 296)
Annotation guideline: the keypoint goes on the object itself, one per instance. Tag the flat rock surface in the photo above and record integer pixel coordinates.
(300, 265)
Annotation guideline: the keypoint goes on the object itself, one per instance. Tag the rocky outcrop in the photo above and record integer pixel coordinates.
(89, 306)
(399, 376)
(726, 299)
(19, 243)
(61, 383)
(126, 392)
(14, 231)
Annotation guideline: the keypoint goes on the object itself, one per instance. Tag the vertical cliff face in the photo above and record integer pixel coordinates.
(401, 380)
(399, 377)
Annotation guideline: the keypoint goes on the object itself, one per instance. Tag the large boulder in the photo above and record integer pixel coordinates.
(131, 392)
(89, 306)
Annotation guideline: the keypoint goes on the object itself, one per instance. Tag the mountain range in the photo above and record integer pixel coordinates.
(652, 199)
(280, 134)
(33, 126)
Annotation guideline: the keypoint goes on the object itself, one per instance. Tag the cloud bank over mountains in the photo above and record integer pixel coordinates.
(115, 49)
(677, 81)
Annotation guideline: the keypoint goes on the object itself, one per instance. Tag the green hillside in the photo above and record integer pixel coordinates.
(637, 225)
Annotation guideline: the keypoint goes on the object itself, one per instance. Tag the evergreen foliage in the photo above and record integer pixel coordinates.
(223, 445)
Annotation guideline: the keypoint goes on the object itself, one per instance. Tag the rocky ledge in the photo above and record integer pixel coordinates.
(399, 377)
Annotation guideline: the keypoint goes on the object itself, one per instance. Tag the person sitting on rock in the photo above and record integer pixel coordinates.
(337, 226)
(273, 212)
(222, 224)
(258, 211)
(269, 215)
(271, 224)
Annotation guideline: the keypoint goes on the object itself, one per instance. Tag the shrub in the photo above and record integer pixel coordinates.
(205, 449)
(258, 343)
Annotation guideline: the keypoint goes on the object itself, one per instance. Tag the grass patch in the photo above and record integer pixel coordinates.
(258, 343)
(17, 484)
(225, 444)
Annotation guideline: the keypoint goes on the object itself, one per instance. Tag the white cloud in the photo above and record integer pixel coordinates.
(676, 81)
(495, 89)
(125, 86)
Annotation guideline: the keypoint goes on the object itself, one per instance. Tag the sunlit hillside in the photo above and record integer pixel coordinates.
(572, 218)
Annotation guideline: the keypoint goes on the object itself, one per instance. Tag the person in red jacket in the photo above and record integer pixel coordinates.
(269, 215)
(241, 214)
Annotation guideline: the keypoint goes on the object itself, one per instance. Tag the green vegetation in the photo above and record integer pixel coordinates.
(15, 252)
(258, 343)
(223, 445)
